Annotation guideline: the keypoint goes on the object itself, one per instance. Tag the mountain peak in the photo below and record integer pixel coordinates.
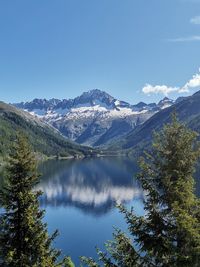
(95, 97)
(165, 98)
(95, 93)
(166, 102)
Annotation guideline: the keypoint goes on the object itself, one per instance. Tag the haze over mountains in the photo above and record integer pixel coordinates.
(95, 118)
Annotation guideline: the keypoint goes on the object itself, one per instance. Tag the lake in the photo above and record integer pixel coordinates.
(80, 198)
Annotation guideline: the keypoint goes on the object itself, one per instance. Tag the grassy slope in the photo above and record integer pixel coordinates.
(43, 138)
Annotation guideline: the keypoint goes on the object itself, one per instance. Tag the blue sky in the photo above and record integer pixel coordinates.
(133, 49)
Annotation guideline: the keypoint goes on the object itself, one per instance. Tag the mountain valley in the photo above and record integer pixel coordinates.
(95, 118)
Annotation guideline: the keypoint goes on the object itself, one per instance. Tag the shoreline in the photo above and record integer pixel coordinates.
(43, 158)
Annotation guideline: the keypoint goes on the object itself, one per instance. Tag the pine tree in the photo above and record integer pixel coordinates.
(24, 240)
(169, 233)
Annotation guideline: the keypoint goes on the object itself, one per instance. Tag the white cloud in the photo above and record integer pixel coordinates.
(165, 90)
(193, 83)
(186, 39)
(195, 20)
(162, 89)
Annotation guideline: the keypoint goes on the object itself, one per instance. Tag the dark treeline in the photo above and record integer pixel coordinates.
(24, 239)
(168, 235)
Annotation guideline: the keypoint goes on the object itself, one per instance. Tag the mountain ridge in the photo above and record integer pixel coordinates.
(94, 94)
(93, 118)
(188, 112)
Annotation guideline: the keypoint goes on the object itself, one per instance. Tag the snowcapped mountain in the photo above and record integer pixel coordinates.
(94, 118)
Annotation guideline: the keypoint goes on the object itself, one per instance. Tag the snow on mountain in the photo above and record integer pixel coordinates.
(95, 117)
(165, 103)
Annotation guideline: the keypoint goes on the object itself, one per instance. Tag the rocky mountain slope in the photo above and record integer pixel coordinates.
(188, 111)
(95, 118)
(44, 138)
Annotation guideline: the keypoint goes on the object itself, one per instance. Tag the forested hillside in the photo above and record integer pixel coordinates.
(188, 111)
(44, 139)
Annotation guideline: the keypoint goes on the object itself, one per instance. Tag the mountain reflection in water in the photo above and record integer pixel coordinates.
(92, 185)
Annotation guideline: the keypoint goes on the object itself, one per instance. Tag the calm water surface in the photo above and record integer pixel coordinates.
(80, 198)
